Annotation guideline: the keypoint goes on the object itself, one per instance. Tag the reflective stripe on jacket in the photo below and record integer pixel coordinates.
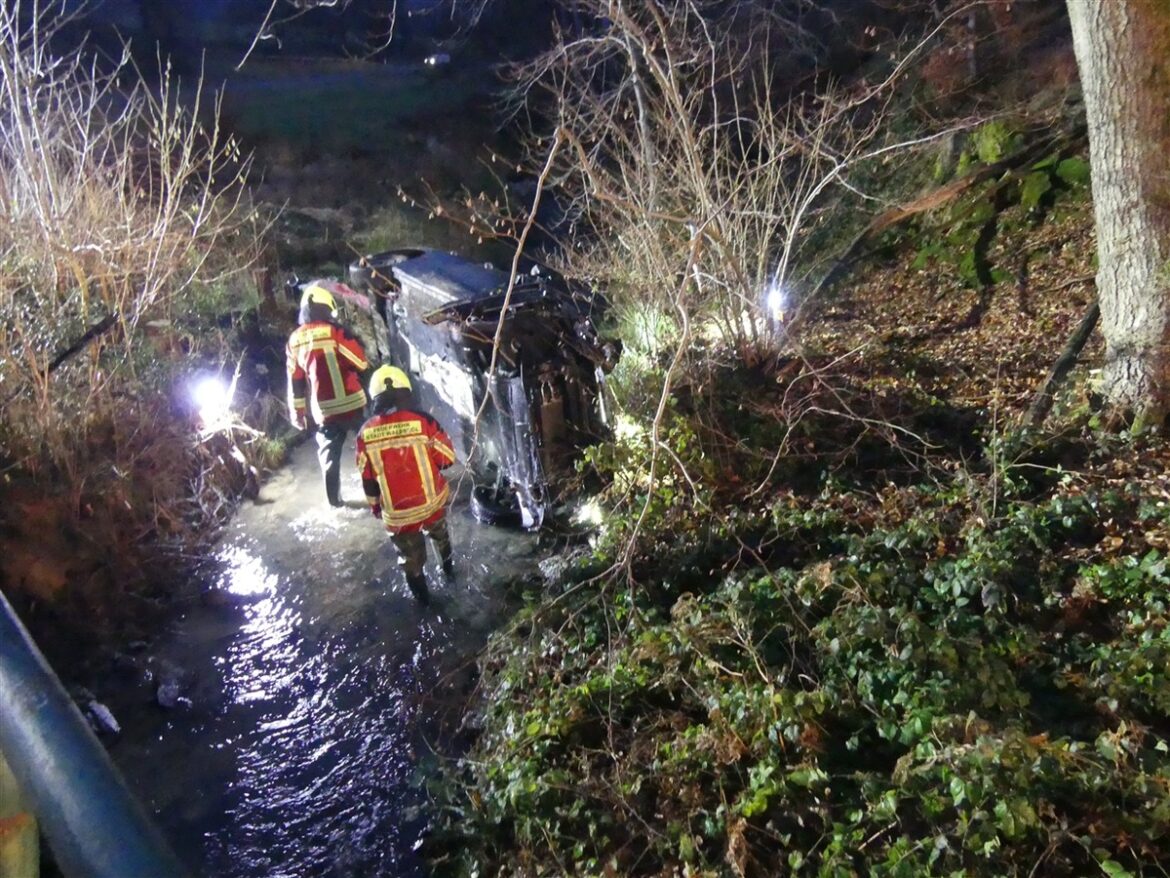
(403, 453)
(324, 365)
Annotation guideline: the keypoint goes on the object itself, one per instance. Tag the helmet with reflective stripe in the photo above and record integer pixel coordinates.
(315, 294)
(388, 378)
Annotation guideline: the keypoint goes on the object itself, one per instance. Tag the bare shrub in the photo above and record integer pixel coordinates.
(119, 211)
(698, 176)
(700, 179)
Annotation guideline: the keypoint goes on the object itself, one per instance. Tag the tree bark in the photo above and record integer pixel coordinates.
(1121, 50)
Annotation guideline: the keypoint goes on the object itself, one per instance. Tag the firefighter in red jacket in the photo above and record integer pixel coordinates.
(401, 454)
(325, 368)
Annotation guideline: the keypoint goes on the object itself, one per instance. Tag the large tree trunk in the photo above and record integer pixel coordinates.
(1122, 47)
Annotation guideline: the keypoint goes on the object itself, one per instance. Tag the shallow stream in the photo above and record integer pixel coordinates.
(310, 687)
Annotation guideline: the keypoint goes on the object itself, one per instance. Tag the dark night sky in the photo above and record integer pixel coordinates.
(190, 26)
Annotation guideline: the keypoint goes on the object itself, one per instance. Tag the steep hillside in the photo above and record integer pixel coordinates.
(847, 613)
(868, 624)
(910, 318)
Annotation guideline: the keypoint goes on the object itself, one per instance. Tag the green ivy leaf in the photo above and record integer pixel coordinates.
(1114, 869)
(958, 790)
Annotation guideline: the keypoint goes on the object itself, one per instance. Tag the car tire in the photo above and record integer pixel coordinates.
(491, 506)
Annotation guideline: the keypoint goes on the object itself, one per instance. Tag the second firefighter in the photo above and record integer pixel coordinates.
(401, 454)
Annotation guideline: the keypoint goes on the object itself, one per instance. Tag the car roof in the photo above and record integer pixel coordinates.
(449, 278)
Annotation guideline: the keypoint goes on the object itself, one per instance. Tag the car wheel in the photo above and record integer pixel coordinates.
(494, 506)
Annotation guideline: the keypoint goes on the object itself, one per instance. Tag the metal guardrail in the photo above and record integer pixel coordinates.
(94, 826)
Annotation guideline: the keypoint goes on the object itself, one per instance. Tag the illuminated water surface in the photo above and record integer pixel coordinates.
(314, 682)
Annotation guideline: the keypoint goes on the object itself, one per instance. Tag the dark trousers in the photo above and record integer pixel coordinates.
(412, 555)
(412, 547)
(330, 443)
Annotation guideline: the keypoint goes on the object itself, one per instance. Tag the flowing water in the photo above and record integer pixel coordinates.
(310, 687)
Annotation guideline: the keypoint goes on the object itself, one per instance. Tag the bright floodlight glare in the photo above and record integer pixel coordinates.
(775, 301)
(589, 514)
(626, 428)
(213, 398)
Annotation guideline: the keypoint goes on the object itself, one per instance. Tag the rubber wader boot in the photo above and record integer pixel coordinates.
(333, 488)
(418, 587)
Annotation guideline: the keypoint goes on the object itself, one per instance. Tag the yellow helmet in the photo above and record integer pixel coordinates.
(388, 378)
(315, 294)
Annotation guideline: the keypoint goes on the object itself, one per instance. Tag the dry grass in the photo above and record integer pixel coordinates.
(121, 220)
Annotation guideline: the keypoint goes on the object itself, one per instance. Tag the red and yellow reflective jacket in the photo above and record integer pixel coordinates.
(400, 455)
(324, 364)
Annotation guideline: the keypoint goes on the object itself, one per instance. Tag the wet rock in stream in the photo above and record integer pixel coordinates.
(100, 718)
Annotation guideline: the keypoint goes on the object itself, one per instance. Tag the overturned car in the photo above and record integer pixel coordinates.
(516, 377)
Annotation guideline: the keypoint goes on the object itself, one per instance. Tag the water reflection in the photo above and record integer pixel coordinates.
(244, 573)
(315, 694)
